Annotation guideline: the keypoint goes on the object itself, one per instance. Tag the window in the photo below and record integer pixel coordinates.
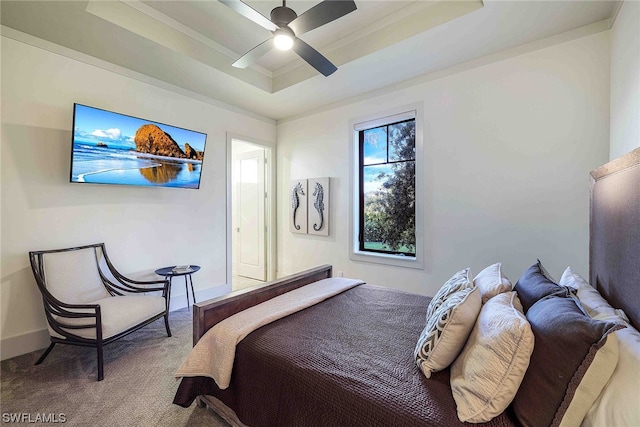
(386, 190)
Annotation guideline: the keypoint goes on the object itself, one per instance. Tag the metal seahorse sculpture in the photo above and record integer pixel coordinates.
(295, 201)
(318, 203)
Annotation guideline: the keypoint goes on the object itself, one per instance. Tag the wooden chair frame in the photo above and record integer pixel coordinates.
(56, 311)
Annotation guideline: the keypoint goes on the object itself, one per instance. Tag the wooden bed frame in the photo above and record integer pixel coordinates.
(208, 313)
(614, 246)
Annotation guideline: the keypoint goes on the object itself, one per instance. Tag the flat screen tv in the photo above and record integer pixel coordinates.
(113, 148)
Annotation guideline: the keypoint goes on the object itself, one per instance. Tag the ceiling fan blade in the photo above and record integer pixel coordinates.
(320, 14)
(313, 57)
(249, 12)
(254, 54)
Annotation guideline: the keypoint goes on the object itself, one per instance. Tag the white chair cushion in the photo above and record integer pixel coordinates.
(72, 277)
(118, 313)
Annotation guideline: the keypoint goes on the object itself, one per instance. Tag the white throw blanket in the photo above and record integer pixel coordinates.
(214, 354)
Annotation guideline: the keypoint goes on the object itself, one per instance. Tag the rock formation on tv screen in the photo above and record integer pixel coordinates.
(153, 140)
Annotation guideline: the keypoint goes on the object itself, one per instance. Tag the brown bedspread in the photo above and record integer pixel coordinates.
(347, 361)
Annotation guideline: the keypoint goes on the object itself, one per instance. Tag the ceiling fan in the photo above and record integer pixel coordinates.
(286, 26)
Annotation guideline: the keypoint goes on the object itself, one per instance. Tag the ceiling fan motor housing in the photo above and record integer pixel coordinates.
(282, 15)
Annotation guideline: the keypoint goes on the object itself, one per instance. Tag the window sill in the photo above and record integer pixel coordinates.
(387, 259)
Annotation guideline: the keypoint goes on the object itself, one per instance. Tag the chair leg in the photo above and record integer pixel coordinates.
(100, 362)
(45, 354)
(166, 323)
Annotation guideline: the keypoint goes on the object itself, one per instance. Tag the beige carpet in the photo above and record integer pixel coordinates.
(137, 389)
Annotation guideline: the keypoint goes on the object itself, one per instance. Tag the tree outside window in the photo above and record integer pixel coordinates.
(388, 188)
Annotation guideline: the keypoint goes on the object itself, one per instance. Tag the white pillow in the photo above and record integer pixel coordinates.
(618, 404)
(447, 329)
(487, 374)
(590, 299)
(492, 282)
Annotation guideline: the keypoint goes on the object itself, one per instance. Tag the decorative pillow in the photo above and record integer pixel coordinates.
(486, 375)
(595, 305)
(545, 272)
(572, 360)
(617, 405)
(447, 330)
(491, 281)
(534, 285)
(457, 282)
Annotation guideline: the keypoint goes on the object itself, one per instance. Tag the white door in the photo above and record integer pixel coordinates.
(250, 205)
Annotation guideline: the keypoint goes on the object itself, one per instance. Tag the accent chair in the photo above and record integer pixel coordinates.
(87, 302)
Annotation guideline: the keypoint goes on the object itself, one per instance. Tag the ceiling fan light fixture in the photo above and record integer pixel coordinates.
(286, 26)
(282, 40)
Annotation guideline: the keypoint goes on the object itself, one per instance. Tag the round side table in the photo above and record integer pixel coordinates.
(171, 272)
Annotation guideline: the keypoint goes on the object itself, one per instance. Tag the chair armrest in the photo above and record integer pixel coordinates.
(124, 284)
(63, 309)
(136, 284)
(57, 312)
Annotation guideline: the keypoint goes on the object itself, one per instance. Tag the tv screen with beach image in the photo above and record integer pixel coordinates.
(112, 148)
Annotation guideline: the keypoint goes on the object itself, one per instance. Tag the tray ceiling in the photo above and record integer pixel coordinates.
(192, 44)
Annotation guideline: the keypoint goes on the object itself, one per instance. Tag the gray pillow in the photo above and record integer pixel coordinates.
(573, 358)
(534, 285)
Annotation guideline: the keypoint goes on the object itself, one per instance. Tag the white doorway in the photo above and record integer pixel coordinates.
(251, 231)
(249, 228)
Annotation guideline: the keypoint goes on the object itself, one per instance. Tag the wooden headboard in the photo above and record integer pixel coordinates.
(614, 243)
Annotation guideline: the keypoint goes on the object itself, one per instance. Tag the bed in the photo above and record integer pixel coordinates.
(349, 360)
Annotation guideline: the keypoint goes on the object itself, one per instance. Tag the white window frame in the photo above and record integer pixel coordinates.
(375, 120)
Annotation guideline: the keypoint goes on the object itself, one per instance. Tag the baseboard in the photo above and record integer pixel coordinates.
(179, 300)
(39, 340)
(23, 344)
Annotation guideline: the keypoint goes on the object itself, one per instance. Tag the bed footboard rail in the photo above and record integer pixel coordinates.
(208, 313)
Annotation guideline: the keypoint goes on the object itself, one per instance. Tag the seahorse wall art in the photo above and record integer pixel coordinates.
(298, 206)
(318, 195)
(319, 206)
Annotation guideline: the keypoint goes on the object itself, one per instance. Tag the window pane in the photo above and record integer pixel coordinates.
(375, 146)
(389, 208)
(374, 177)
(402, 141)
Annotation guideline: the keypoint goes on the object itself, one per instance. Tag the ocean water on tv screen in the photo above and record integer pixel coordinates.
(103, 162)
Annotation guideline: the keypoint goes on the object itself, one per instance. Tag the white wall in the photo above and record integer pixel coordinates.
(508, 149)
(144, 228)
(625, 80)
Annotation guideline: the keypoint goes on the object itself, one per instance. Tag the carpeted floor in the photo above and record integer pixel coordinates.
(137, 389)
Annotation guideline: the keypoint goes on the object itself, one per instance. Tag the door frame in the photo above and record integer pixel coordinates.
(270, 202)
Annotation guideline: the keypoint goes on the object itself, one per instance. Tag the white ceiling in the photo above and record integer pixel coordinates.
(192, 43)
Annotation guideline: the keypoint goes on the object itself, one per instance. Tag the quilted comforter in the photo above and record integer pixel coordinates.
(347, 361)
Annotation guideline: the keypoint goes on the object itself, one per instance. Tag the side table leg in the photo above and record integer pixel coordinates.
(193, 294)
(186, 288)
